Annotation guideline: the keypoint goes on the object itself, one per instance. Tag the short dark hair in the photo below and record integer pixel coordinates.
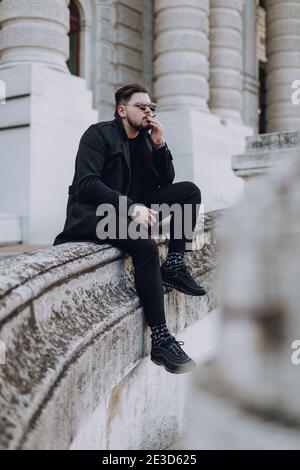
(124, 94)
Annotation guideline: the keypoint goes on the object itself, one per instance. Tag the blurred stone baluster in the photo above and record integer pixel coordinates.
(248, 396)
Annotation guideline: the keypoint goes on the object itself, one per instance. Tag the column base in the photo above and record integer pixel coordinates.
(202, 145)
(10, 229)
(46, 112)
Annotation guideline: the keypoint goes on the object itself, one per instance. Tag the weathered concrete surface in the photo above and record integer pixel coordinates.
(77, 346)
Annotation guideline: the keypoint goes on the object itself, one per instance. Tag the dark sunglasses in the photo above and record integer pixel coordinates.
(144, 106)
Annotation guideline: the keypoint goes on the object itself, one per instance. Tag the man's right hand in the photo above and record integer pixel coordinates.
(143, 215)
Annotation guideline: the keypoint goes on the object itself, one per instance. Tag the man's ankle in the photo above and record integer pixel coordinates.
(174, 260)
(159, 333)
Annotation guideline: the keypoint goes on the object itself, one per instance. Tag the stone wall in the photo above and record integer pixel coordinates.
(77, 371)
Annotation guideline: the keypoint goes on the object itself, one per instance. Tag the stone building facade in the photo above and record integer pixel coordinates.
(220, 70)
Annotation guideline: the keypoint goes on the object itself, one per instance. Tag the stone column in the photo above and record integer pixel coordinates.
(34, 31)
(283, 64)
(250, 95)
(181, 53)
(47, 110)
(226, 64)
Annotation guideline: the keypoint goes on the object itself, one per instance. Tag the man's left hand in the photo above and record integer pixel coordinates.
(156, 131)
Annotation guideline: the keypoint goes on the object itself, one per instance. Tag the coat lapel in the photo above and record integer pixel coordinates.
(126, 153)
(124, 140)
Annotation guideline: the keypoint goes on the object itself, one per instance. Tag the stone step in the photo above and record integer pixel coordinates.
(10, 228)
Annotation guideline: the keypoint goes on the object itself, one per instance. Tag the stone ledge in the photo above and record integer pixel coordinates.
(74, 330)
(272, 141)
(264, 152)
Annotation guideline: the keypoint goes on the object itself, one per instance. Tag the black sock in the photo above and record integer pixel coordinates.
(159, 333)
(174, 260)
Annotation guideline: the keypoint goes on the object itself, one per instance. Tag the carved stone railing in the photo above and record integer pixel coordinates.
(77, 372)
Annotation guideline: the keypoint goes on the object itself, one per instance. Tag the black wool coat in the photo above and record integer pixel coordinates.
(102, 175)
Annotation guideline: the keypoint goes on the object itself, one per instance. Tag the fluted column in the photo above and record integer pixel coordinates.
(226, 64)
(34, 31)
(283, 64)
(250, 61)
(181, 53)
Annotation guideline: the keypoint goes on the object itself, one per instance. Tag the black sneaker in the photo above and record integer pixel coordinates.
(170, 355)
(181, 280)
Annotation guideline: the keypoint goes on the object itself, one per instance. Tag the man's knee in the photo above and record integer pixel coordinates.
(191, 191)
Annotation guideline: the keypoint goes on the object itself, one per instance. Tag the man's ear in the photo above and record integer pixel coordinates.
(121, 111)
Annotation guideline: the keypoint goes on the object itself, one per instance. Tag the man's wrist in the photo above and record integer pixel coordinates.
(160, 145)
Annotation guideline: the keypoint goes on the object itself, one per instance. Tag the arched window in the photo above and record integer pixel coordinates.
(74, 35)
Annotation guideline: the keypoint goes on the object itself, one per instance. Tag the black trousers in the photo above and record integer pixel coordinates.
(144, 252)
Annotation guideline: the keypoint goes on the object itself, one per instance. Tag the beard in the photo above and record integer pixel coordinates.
(142, 126)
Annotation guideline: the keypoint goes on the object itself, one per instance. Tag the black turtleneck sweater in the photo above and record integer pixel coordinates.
(136, 184)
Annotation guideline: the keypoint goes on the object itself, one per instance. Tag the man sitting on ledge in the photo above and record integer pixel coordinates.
(128, 157)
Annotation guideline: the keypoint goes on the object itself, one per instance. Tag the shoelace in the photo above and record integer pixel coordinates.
(175, 346)
(186, 269)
